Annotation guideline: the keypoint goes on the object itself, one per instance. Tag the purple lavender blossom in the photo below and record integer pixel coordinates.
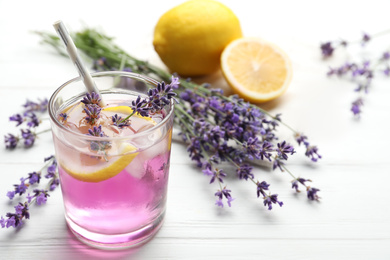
(18, 118)
(386, 71)
(30, 197)
(96, 131)
(51, 170)
(15, 219)
(63, 117)
(118, 121)
(356, 106)
(92, 113)
(386, 55)
(98, 145)
(366, 38)
(301, 139)
(40, 106)
(244, 171)
(33, 120)
(261, 188)
(217, 174)
(265, 150)
(219, 203)
(34, 177)
(55, 182)
(158, 98)
(208, 171)
(52, 175)
(224, 193)
(175, 82)
(252, 148)
(11, 141)
(91, 99)
(283, 149)
(22, 187)
(28, 137)
(312, 153)
(272, 199)
(312, 193)
(11, 194)
(296, 181)
(327, 49)
(42, 197)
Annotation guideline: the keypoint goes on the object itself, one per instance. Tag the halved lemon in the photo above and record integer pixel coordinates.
(126, 110)
(97, 170)
(256, 70)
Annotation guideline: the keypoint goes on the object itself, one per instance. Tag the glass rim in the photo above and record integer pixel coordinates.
(149, 80)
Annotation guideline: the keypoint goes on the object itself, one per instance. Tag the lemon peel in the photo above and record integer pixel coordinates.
(190, 37)
(102, 170)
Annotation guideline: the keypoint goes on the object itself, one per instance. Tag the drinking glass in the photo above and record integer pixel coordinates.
(115, 197)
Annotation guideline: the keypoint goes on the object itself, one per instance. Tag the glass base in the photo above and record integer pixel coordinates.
(118, 241)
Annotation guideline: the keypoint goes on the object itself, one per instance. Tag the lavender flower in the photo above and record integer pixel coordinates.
(11, 141)
(296, 181)
(117, 121)
(63, 117)
(361, 73)
(40, 196)
(17, 118)
(40, 106)
(217, 174)
(327, 49)
(272, 199)
(224, 193)
(244, 171)
(158, 98)
(356, 106)
(91, 99)
(30, 117)
(284, 149)
(34, 177)
(98, 145)
(93, 113)
(28, 137)
(15, 219)
(312, 193)
(96, 131)
(366, 38)
(312, 152)
(261, 188)
(268, 199)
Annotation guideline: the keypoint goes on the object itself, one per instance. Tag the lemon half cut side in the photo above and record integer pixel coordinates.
(256, 70)
(97, 170)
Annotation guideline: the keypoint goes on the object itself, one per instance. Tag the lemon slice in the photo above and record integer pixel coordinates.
(256, 70)
(127, 111)
(95, 170)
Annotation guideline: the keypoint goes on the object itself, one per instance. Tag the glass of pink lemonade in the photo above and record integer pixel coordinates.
(114, 185)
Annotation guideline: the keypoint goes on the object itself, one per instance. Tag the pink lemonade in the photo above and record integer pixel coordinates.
(114, 187)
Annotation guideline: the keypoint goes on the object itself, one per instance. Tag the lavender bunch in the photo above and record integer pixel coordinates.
(38, 196)
(31, 117)
(362, 72)
(215, 127)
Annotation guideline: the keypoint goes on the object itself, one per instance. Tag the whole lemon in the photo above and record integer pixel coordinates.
(190, 37)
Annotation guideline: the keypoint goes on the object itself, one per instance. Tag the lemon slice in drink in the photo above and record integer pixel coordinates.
(97, 170)
(257, 70)
(127, 111)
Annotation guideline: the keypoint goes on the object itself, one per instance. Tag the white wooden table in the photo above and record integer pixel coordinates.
(352, 221)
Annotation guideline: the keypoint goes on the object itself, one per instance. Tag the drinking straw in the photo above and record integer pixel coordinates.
(74, 56)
